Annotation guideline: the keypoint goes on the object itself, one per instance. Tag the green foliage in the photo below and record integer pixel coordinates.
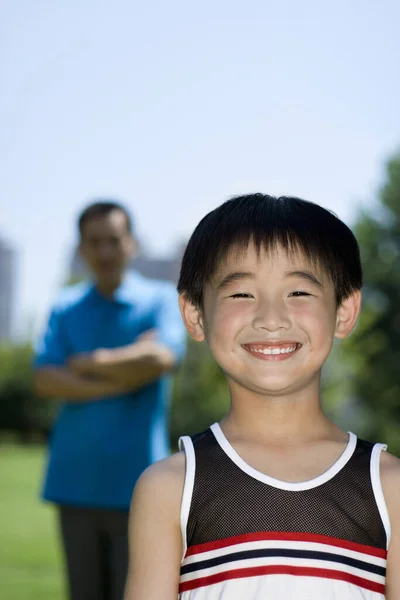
(30, 553)
(200, 393)
(372, 353)
(21, 411)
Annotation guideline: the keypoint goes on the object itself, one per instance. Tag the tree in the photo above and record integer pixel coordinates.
(372, 353)
(200, 393)
(21, 412)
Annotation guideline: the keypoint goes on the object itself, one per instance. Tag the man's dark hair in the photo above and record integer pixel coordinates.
(267, 221)
(102, 208)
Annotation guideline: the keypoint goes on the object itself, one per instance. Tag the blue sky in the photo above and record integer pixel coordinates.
(173, 107)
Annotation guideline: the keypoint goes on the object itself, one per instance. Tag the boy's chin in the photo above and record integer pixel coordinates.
(273, 387)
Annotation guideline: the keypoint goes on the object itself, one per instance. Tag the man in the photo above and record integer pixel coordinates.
(107, 351)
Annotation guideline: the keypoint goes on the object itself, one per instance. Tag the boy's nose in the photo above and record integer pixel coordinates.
(271, 317)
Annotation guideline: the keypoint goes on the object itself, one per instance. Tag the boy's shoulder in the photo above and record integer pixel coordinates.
(163, 480)
(390, 475)
(390, 463)
(167, 476)
(390, 479)
(171, 467)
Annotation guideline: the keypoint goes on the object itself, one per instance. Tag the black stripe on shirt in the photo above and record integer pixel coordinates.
(284, 553)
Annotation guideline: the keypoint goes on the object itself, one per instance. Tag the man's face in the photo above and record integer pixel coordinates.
(107, 246)
(270, 321)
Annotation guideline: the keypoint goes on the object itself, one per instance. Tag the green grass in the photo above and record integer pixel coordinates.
(30, 556)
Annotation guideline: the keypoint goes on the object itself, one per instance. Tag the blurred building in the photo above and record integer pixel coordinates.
(160, 268)
(156, 268)
(7, 289)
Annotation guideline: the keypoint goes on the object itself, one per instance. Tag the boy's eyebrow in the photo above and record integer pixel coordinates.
(235, 276)
(240, 275)
(304, 275)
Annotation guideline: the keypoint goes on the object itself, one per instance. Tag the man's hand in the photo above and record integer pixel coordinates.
(83, 363)
(134, 365)
(61, 382)
(147, 336)
(87, 363)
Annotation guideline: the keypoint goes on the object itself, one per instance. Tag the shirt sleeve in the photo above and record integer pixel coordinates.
(169, 325)
(51, 346)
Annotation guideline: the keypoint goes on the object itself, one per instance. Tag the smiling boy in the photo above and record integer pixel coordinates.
(275, 501)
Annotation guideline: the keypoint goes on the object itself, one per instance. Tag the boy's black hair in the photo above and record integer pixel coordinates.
(102, 208)
(268, 221)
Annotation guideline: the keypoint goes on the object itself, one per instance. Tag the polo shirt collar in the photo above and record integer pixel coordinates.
(126, 292)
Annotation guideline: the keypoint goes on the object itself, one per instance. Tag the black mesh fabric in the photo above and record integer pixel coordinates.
(227, 501)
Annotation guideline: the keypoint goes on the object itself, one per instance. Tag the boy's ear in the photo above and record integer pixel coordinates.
(347, 314)
(192, 318)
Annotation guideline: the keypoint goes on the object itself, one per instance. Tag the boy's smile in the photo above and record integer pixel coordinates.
(272, 350)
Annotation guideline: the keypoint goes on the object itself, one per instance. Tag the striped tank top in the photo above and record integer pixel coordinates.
(249, 536)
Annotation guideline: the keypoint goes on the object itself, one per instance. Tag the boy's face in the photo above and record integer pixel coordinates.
(270, 320)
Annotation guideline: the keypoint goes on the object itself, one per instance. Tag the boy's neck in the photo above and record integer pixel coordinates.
(290, 419)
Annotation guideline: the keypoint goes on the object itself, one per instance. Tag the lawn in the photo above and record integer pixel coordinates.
(30, 559)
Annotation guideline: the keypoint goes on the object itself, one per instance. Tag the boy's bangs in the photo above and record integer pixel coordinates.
(269, 242)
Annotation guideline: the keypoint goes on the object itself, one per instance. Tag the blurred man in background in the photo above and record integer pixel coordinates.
(106, 352)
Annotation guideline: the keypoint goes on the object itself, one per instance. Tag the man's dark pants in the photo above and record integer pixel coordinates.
(96, 552)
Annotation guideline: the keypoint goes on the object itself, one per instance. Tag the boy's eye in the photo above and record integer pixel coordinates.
(241, 295)
(298, 294)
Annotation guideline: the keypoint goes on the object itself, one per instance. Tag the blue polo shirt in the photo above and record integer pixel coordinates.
(99, 449)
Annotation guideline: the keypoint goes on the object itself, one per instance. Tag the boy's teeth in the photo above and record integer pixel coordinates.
(274, 350)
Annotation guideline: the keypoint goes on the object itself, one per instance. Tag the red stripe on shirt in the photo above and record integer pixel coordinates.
(282, 570)
(286, 537)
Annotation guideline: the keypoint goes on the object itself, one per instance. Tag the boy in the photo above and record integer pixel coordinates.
(275, 501)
